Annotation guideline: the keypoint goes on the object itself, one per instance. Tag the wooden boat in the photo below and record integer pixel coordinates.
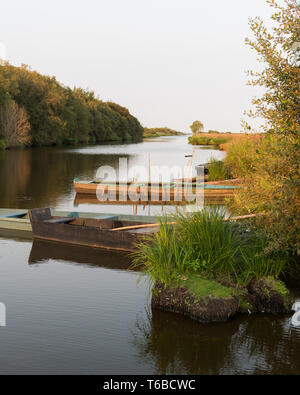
(18, 223)
(155, 192)
(93, 232)
(15, 220)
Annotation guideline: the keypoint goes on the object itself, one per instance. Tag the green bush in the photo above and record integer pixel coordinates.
(206, 140)
(203, 243)
(199, 140)
(3, 145)
(217, 170)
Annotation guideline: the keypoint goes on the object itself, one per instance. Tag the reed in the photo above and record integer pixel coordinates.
(203, 243)
(3, 145)
(217, 170)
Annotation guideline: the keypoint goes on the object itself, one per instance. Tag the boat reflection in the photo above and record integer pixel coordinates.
(43, 251)
(82, 198)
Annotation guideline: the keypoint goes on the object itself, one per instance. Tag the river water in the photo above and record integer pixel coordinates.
(73, 310)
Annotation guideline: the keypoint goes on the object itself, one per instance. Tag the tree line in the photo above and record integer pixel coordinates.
(37, 110)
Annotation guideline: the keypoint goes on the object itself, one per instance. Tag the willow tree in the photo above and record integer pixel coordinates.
(273, 186)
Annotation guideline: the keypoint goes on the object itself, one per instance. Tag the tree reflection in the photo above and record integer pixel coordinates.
(39, 177)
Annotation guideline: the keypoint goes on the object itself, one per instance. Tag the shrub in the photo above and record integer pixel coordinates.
(217, 170)
(241, 158)
(3, 145)
(207, 140)
(270, 168)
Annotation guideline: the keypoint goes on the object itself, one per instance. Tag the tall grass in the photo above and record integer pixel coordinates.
(242, 155)
(3, 145)
(217, 170)
(203, 243)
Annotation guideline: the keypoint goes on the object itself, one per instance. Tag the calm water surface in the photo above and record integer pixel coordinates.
(44, 176)
(75, 310)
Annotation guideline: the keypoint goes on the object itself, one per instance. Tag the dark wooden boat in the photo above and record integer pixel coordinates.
(100, 233)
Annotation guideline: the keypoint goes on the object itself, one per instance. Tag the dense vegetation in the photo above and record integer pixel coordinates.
(217, 170)
(203, 243)
(157, 132)
(205, 139)
(270, 163)
(37, 110)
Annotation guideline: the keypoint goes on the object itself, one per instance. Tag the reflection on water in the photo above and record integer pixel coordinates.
(257, 344)
(75, 310)
(43, 251)
(44, 176)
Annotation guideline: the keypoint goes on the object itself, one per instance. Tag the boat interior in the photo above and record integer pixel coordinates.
(44, 215)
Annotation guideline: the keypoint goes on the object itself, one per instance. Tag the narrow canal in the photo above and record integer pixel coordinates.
(74, 310)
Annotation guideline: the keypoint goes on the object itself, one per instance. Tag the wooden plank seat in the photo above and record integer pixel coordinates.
(44, 215)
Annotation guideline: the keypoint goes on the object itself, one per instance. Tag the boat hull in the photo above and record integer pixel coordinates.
(153, 193)
(96, 233)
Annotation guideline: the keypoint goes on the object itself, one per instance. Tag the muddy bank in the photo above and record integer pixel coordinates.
(260, 296)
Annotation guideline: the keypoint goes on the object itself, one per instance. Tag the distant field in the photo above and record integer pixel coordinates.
(216, 139)
(157, 132)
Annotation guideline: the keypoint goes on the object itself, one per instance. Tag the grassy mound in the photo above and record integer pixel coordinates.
(203, 243)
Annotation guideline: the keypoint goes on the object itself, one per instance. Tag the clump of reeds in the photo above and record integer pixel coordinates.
(217, 170)
(204, 243)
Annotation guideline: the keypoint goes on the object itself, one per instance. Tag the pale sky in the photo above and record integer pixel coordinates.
(169, 62)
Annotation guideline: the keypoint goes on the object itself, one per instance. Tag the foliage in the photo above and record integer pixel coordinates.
(279, 50)
(272, 185)
(207, 140)
(14, 125)
(197, 127)
(60, 115)
(203, 243)
(241, 158)
(217, 170)
(271, 165)
(3, 145)
(157, 132)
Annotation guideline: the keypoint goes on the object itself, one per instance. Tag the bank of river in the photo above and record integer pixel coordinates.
(78, 311)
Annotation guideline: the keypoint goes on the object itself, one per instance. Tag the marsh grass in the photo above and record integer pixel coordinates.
(3, 145)
(203, 243)
(217, 170)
